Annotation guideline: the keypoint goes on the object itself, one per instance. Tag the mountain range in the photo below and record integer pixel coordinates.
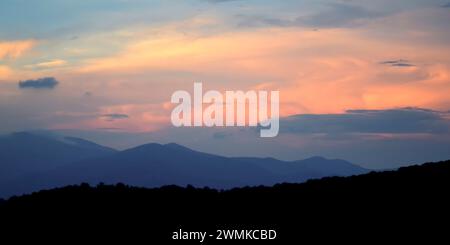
(32, 161)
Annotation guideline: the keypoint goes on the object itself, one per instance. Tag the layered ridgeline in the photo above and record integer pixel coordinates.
(31, 162)
(402, 205)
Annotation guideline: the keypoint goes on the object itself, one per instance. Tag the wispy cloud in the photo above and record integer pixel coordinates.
(48, 64)
(114, 116)
(331, 16)
(338, 15)
(15, 49)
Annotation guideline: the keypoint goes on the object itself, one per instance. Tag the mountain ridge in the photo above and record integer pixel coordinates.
(154, 164)
(401, 205)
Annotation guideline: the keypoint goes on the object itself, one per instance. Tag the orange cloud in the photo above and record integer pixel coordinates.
(15, 49)
(325, 71)
(136, 118)
(5, 72)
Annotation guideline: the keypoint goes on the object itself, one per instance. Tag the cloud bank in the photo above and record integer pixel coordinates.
(390, 121)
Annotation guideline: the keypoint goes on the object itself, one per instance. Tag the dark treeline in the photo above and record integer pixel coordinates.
(406, 203)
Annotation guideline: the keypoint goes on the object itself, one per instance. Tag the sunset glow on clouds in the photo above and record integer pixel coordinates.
(128, 57)
(14, 49)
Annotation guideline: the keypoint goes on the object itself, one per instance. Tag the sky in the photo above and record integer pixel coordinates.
(366, 81)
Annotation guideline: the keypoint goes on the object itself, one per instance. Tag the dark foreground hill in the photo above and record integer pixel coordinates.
(388, 207)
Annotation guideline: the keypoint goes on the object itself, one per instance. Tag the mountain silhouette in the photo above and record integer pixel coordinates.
(24, 152)
(42, 162)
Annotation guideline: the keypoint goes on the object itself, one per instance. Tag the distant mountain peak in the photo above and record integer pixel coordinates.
(157, 147)
(176, 146)
(146, 147)
(316, 158)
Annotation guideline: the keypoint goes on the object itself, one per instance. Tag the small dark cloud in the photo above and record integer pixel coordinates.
(402, 64)
(114, 116)
(87, 94)
(397, 63)
(40, 83)
(388, 62)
